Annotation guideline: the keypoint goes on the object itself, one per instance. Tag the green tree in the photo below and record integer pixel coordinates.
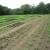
(18, 11)
(41, 8)
(0, 9)
(48, 7)
(26, 9)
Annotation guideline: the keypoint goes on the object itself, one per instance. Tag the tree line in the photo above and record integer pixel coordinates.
(41, 8)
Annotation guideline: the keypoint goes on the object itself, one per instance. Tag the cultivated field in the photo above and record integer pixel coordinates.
(25, 32)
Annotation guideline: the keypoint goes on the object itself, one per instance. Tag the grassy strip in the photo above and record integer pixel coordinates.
(9, 27)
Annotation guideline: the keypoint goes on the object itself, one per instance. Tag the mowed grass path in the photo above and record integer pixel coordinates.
(31, 35)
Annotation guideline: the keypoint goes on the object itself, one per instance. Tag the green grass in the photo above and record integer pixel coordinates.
(15, 17)
(49, 28)
(9, 19)
(6, 20)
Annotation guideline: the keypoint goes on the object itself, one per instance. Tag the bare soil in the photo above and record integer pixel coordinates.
(32, 35)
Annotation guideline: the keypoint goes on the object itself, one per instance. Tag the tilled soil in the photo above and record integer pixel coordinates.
(29, 36)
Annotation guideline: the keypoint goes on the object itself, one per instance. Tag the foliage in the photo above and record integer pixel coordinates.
(26, 9)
